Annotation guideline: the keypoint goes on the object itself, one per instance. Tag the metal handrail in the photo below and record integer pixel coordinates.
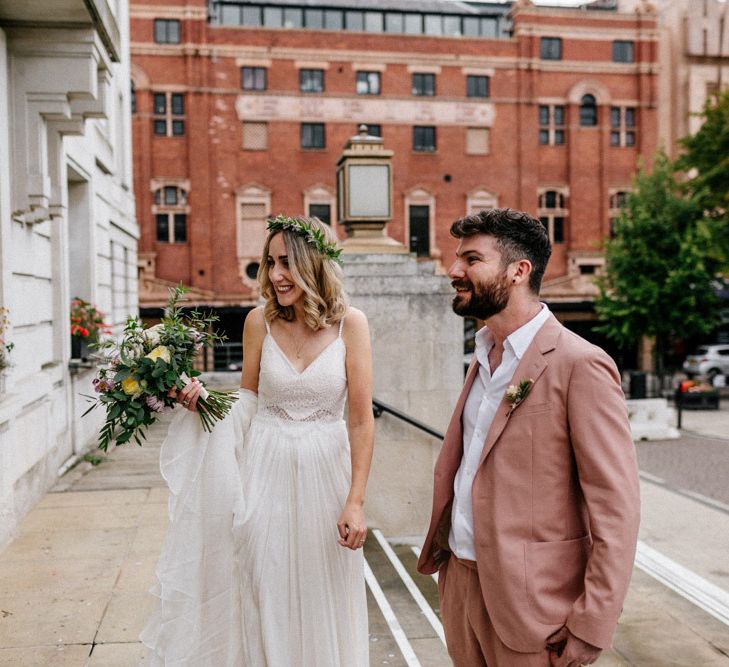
(378, 407)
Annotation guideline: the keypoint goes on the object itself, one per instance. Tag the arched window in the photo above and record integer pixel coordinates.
(551, 199)
(588, 111)
(553, 214)
(170, 214)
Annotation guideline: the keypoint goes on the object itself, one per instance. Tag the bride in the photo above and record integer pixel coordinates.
(262, 564)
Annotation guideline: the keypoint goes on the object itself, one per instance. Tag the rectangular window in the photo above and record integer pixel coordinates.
(368, 83)
(272, 17)
(169, 114)
(252, 15)
(355, 20)
(374, 22)
(255, 136)
(167, 31)
(477, 86)
(160, 103)
(163, 227)
(550, 48)
(419, 217)
(321, 211)
(452, 26)
(293, 17)
(180, 231)
(433, 24)
(551, 124)
(477, 141)
(253, 78)
(230, 15)
(622, 126)
(314, 19)
(178, 104)
(489, 28)
(312, 135)
(424, 84)
(394, 22)
(311, 80)
(622, 51)
(170, 195)
(414, 24)
(471, 26)
(373, 130)
(333, 19)
(424, 139)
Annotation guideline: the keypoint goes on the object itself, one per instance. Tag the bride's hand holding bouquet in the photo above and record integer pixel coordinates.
(147, 368)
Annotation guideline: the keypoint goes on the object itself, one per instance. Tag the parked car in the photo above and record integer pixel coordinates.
(708, 361)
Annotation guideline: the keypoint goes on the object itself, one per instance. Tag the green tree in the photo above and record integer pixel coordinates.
(705, 161)
(656, 281)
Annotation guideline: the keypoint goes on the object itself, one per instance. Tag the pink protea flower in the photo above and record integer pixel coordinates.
(155, 403)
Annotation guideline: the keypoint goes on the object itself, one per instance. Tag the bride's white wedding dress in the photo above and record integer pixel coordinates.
(251, 573)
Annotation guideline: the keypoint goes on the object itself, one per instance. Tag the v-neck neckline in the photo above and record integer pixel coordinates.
(313, 361)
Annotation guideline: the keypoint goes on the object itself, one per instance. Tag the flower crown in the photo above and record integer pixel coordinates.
(312, 236)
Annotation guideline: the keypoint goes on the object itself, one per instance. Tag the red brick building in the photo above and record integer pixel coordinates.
(242, 109)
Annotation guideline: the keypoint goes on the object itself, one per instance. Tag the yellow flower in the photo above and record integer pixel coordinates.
(131, 387)
(160, 352)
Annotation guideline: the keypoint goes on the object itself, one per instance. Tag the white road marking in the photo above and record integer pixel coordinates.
(395, 628)
(410, 585)
(705, 595)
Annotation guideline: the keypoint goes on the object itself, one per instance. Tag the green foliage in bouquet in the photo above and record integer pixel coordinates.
(147, 367)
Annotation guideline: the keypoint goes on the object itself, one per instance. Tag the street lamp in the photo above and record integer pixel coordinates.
(364, 195)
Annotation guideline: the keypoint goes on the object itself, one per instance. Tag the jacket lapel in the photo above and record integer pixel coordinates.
(531, 366)
(453, 442)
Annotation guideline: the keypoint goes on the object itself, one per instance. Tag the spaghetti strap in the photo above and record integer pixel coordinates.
(268, 326)
(341, 326)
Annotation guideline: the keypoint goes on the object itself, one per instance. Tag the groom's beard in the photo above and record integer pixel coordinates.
(485, 300)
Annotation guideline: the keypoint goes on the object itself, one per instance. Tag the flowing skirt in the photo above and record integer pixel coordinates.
(303, 595)
(251, 574)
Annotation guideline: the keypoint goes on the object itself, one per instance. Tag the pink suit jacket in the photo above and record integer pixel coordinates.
(555, 499)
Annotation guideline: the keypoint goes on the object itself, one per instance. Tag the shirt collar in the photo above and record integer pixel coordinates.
(518, 340)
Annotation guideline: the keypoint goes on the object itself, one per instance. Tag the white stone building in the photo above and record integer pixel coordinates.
(67, 224)
(694, 61)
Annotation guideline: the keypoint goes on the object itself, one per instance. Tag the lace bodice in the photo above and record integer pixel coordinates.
(316, 394)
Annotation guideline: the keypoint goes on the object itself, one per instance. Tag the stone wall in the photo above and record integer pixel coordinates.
(417, 354)
(67, 225)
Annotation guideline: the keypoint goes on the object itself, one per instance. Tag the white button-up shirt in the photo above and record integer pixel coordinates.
(487, 392)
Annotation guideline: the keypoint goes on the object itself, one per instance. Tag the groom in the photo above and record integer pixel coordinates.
(535, 506)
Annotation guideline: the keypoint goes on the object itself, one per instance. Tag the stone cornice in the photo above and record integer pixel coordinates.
(413, 59)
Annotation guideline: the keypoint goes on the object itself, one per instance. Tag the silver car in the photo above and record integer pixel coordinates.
(708, 361)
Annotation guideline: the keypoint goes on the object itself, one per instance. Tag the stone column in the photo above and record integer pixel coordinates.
(417, 356)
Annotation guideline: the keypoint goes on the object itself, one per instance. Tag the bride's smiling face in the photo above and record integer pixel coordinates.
(287, 291)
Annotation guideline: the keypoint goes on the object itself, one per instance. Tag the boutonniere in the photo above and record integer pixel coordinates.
(515, 394)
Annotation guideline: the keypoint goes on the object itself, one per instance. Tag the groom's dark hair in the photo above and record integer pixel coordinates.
(519, 236)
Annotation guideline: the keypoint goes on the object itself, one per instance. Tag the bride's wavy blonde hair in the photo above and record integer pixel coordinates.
(320, 278)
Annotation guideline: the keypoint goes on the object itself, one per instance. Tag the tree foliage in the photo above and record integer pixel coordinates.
(706, 162)
(657, 281)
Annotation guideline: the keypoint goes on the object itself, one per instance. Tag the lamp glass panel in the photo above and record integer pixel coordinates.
(369, 191)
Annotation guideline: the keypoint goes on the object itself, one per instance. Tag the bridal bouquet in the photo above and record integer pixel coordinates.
(141, 371)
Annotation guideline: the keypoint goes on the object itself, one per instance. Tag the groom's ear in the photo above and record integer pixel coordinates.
(522, 271)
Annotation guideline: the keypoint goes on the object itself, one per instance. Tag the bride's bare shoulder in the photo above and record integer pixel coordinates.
(355, 324)
(254, 326)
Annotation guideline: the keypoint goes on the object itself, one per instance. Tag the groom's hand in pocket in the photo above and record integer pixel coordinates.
(566, 650)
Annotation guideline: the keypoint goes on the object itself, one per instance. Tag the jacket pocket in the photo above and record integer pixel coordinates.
(555, 574)
(532, 409)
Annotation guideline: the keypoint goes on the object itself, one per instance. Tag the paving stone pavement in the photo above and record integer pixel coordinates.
(74, 582)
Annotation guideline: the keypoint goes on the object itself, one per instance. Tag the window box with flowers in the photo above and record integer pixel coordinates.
(5, 347)
(87, 324)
